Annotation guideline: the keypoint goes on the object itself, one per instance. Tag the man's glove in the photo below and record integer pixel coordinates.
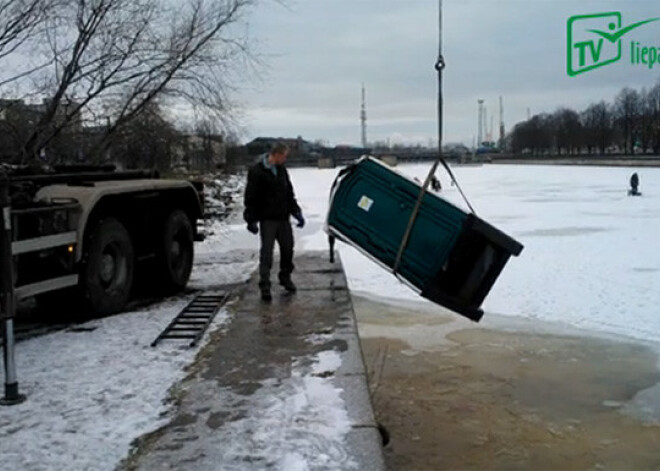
(301, 220)
(253, 227)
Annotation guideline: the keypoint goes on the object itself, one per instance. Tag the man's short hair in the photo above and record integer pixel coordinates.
(279, 148)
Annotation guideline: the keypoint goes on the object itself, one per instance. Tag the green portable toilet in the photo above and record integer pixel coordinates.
(452, 258)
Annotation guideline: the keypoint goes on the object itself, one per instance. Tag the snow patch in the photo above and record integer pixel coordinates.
(91, 393)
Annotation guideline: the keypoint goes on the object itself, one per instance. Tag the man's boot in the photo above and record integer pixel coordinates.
(264, 286)
(265, 295)
(288, 284)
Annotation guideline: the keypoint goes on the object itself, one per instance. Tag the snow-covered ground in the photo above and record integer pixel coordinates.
(591, 260)
(93, 388)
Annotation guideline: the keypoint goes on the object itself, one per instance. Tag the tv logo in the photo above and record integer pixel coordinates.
(595, 40)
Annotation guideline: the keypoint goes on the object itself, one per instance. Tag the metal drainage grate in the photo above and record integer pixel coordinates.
(194, 319)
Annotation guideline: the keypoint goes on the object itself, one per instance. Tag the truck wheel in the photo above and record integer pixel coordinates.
(108, 273)
(176, 252)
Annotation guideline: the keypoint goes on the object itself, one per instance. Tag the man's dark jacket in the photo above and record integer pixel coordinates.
(269, 197)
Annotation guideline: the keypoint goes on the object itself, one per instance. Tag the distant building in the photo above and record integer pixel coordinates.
(455, 151)
(344, 154)
(34, 111)
(18, 121)
(200, 152)
(301, 152)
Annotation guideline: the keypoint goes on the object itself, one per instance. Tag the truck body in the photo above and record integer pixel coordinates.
(84, 240)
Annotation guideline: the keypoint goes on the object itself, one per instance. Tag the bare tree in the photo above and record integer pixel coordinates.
(21, 24)
(534, 136)
(627, 114)
(111, 58)
(597, 127)
(653, 109)
(146, 141)
(645, 120)
(568, 130)
(19, 19)
(207, 135)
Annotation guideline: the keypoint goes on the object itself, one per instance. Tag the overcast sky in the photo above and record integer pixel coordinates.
(319, 52)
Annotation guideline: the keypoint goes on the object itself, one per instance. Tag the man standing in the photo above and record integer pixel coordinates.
(634, 183)
(269, 203)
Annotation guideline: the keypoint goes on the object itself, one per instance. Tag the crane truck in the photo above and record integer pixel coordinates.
(80, 238)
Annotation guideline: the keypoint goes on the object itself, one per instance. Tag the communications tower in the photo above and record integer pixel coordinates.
(480, 128)
(363, 119)
(501, 121)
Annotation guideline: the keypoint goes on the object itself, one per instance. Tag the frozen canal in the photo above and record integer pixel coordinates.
(591, 257)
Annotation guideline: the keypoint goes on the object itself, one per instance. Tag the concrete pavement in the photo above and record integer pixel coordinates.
(255, 397)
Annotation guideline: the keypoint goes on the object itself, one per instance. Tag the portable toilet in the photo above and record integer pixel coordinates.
(452, 257)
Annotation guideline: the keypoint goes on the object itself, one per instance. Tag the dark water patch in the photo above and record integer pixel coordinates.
(517, 401)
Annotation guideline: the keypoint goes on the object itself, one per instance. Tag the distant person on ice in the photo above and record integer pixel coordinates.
(634, 183)
(435, 184)
(269, 203)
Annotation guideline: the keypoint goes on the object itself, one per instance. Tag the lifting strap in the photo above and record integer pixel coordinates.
(439, 66)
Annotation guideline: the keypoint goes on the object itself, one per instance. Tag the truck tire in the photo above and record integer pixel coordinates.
(107, 276)
(175, 257)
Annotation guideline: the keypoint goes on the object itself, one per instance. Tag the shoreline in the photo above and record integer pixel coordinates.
(505, 323)
(651, 162)
(459, 395)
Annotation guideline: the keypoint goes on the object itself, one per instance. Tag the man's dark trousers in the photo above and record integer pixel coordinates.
(270, 232)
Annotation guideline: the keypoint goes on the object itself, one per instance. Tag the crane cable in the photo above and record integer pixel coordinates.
(439, 66)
